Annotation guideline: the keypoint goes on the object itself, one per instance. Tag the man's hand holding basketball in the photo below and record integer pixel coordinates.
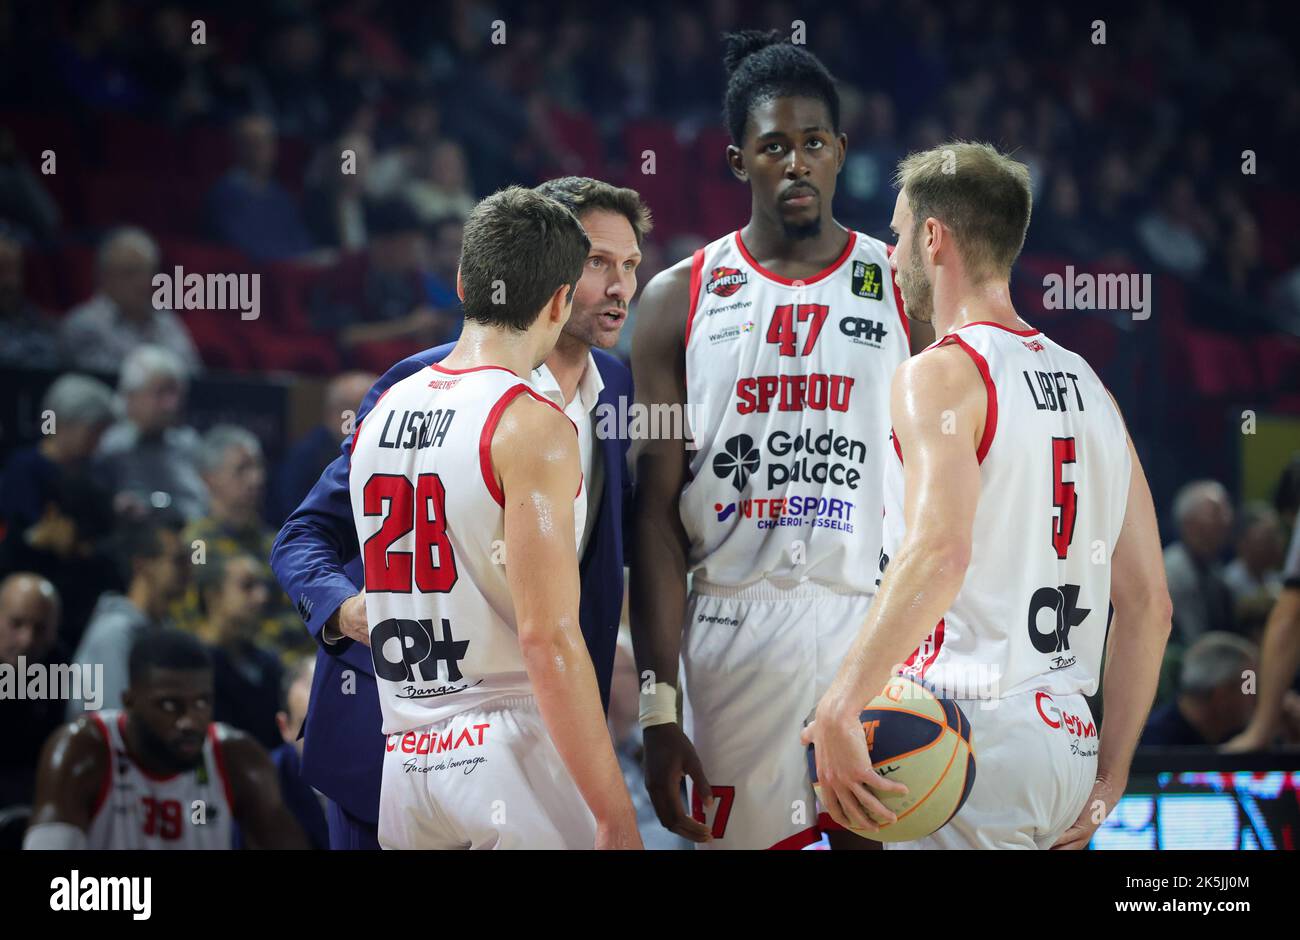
(844, 770)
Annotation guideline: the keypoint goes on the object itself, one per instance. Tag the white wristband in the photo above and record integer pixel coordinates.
(659, 705)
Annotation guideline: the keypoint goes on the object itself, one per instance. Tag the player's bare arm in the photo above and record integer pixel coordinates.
(535, 456)
(659, 548)
(1279, 658)
(70, 774)
(255, 789)
(1138, 634)
(937, 406)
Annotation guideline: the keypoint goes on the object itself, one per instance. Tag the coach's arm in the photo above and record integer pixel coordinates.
(319, 539)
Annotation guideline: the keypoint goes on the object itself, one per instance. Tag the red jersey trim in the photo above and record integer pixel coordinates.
(121, 728)
(805, 281)
(490, 428)
(799, 840)
(910, 662)
(220, 760)
(697, 277)
(998, 326)
(898, 449)
(898, 298)
(991, 393)
(356, 432)
(437, 367)
(106, 784)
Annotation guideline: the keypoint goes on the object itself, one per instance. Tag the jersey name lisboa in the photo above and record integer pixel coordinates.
(787, 383)
(138, 810)
(430, 517)
(1033, 609)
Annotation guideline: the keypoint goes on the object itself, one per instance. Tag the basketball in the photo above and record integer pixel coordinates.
(923, 742)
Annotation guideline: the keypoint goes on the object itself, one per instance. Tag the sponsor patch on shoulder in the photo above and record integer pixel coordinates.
(723, 282)
(867, 280)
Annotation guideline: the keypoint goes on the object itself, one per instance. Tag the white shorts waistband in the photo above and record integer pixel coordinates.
(772, 591)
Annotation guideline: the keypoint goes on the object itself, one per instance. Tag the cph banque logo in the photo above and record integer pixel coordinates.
(181, 291)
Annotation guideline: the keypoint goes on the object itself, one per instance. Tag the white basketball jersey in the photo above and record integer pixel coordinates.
(430, 521)
(138, 810)
(1033, 610)
(788, 388)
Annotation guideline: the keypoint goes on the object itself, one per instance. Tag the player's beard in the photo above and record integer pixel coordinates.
(794, 232)
(918, 292)
(156, 751)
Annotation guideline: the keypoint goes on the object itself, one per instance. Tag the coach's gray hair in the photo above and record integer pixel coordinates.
(1216, 658)
(126, 239)
(1192, 493)
(219, 440)
(147, 362)
(79, 399)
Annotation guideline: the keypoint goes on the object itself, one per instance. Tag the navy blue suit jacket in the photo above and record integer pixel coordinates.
(316, 559)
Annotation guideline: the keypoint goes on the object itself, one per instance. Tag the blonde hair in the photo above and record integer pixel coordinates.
(982, 195)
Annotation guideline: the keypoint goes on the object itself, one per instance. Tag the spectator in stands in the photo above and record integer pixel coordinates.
(233, 591)
(1278, 712)
(379, 297)
(441, 186)
(418, 131)
(230, 461)
(444, 261)
(29, 629)
(302, 465)
(1177, 232)
(247, 208)
(98, 334)
(93, 62)
(64, 546)
(155, 566)
(1254, 576)
(149, 457)
(28, 339)
(1215, 695)
(335, 202)
(24, 200)
(75, 411)
(307, 806)
(1202, 602)
(1286, 495)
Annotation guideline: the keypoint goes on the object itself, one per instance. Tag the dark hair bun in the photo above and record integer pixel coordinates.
(745, 42)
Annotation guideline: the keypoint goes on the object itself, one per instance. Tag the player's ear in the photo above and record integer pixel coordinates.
(736, 161)
(558, 307)
(460, 286)
(841, 150)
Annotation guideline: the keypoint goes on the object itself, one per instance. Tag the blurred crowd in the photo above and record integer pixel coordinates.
(335, 147)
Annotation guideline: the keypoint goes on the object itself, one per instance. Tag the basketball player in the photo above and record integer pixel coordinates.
(159, 774)
(780, 338)
(1016, 511)
(468, 502)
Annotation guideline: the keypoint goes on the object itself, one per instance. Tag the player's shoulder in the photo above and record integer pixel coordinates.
(673, 281)
(865, 244)
(239, 749)
(529, 418)
(937, 372)
(79, 747)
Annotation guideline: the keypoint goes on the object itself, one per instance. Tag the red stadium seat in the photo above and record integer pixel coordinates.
(578, 133)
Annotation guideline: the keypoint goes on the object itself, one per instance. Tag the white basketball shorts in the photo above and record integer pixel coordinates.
(756, 660)
(1035, 765)
(490, 778)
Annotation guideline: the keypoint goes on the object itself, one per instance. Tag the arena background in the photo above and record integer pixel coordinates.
(1162, 140)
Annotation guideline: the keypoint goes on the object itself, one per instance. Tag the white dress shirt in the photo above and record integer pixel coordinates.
(580, 411)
